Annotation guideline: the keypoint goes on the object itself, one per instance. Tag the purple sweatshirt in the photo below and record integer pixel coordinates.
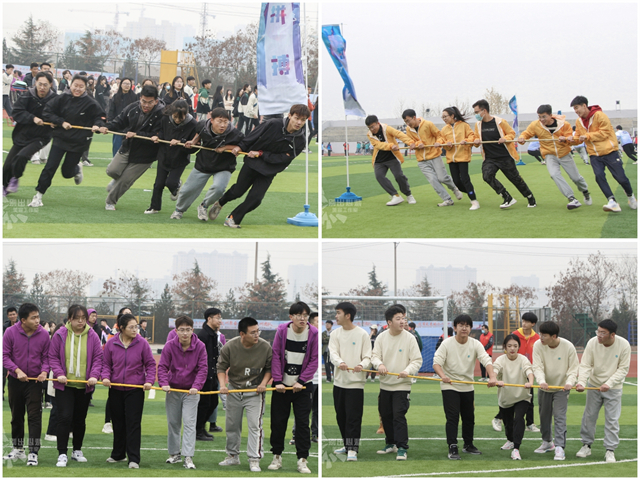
(57, 357)
(133, 365)
(29, 354)
(180, 369)
(310, 362)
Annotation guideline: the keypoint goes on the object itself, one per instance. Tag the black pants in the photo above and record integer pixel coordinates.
(17, 160)
(69, 167)
(314, 412)
(490, 168)
(513, 418)
(165, 177)
(349, 405)
(247, 178)
(52, 428)
(536, 154)
(107, 412)
(393, 408)
(630, 151)
(280, 413)
(126, 418)
(530, 410)
(207, 403)
(328, 366)
(483, 371)
(73, 404)
(25, 397)
(461, 178)
(459, 405)
(614, 164)
(243, 122)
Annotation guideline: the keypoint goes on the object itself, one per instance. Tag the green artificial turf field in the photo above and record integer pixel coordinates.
(97, 448)
(78, 211)
(371, 218)
(427, 454)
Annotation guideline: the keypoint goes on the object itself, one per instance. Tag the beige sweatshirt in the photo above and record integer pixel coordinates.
(600, 364)
(399, 353)
(512, 371)
(352, 347)
(555, 366)
(458, 360)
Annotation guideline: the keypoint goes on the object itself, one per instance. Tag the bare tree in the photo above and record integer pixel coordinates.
(400, 107)
(498, 103)
(147, 50)
(527, 296)
(70, 285)
(135, 290)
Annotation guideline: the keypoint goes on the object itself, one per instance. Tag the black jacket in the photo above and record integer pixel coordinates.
(83, 111)
(278, 146)
(214, 162)
(218, 101)
(27, 107)
(210, 340)
(102, 94)
(168, 99)
(175, 157)
(119, 102)
(140, 151)
(28, 79)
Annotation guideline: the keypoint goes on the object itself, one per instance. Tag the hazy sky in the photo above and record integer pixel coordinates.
(152, 259)
(433, 53)
(346, 265)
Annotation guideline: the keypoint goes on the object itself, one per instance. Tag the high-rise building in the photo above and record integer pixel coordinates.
(299, 277)
(228, 269)
(531, 281)
(447, 279)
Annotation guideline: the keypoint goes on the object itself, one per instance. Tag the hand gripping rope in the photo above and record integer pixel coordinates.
(472, 144)
(247, 390)
(472, 383)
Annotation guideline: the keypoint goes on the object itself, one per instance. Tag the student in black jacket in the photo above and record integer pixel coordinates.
(178, 125)
(270, 148)
(73, 107)
(210, 337)
(217, 132)
(124, 97)
(144, 119)
(176, 92)
(29, 135)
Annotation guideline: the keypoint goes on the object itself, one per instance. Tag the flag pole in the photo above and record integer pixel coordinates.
(306, 218)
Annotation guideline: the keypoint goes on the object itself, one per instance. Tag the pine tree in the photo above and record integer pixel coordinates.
(230, 307)
(34, 40)
(164, 307)
(266, 300)
(47, 305)
(195, 290)
(14, 287)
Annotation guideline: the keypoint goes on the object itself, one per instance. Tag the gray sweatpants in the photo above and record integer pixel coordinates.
(553, 404)
(194, 185)
(582, 151)
(612, 401)
(182, 408)
(254, 404)
(437, 176)
(125, 174)
(553, 166)
(380, 169)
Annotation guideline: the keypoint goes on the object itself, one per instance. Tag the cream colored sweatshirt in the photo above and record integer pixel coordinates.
(555, 366)
(458, 360)
(399, 353)
(352, 347)
(600, 364)
(512, 371)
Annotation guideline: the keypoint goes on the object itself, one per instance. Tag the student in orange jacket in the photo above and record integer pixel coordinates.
(499, 156)
(423, 132)
(387, 156)
(528, 337)
(557, 153)
(595, 130)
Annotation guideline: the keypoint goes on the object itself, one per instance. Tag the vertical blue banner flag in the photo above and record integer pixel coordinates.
(513, 105)
(279, 58)
(337, 46)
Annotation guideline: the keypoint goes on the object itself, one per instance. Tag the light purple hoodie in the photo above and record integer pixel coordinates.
(133, 365)
(180, 369)
(57, 360)
(29, 354)
(310, 362)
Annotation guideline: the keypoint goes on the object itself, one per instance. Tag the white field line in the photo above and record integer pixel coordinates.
(164, 450)
(501, 439)
(632, 384)
(461, 473)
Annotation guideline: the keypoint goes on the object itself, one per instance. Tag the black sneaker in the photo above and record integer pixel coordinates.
(453, 452)
(471, 449)
(532, 201)
(213, 428)
(203, 436)
(508, 200)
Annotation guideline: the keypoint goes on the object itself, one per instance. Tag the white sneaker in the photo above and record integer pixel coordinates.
(395, 200)
(78, 456)
(545, 447)
(352, 456)
(254, 465)
(110, 206)
(532, 428)
(113, 460)
(573, 204)
(174, 459)
(515, 455)
(276, 463)
(475, 205)
(149, 211)
(51, 438)
(214, 211)
(340, 451)
(612, 206)
(230, 460)
(584, 452)
(32, 460)
(446, 203)
(303, 468)
(496, 423)
(202, 213)
(15, 454)
(188, 463)
(108, 428)
(78, 177)
(87, 163)
(587, 199)
(457, 193)
(37, 200)
(610, 457)
(36, 162)
(176, 215)
(175, 197)
(62, 461)
(388, 449)
(633, 203)
(559, 454)
(411, 200)
(133, 465)
(507, 446)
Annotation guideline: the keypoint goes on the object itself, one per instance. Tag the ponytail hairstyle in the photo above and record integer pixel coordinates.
(456, 114)
(181, 107)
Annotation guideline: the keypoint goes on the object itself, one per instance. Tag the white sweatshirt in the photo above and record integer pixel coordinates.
(352, 347)
(458, 360)
(600, 364)
(555, 366)
(399, 353)
(512, 371)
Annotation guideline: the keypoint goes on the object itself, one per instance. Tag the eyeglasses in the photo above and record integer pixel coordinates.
(301, 315)
(184, 330)
(254, 334)
(133, 327)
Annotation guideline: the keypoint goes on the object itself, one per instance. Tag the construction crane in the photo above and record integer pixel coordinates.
(116, 19)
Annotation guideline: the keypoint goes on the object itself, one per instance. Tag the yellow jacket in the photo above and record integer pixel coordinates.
(601, 139)
(506, 132)
(428, 134)
(456, 134)
(390, 134)
(559, 149)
